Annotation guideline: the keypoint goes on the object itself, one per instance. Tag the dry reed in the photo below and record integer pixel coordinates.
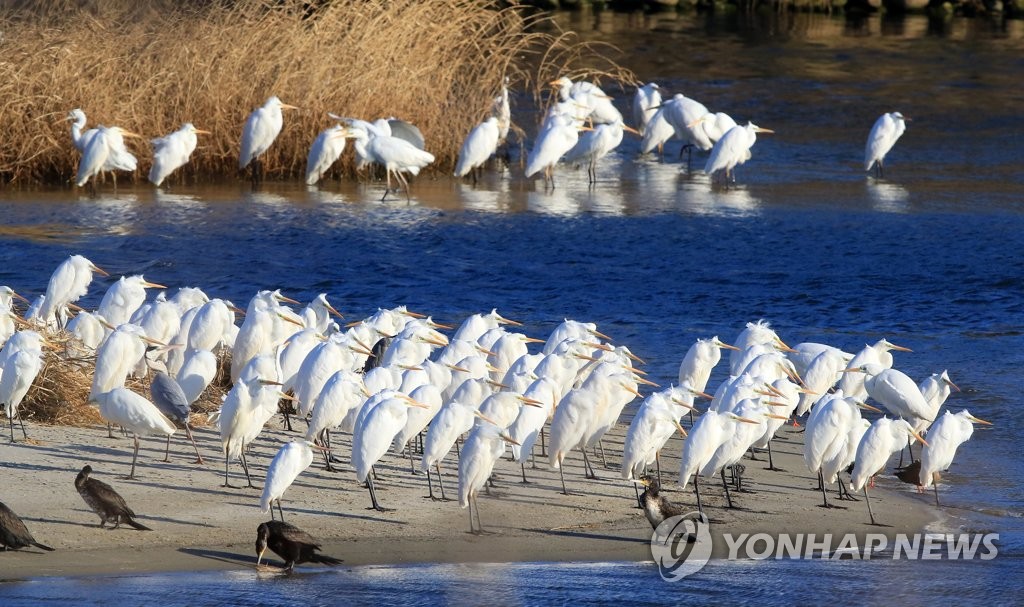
(60, 393)
(150, 66)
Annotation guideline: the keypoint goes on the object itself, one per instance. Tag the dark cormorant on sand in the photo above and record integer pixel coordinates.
(290, 543)
(104, 501)
(13, 532)
(656, 506)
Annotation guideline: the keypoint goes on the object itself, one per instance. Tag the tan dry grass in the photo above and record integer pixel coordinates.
(60, 393)
(150, 66)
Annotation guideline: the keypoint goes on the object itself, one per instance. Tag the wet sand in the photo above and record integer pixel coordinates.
(199, 525)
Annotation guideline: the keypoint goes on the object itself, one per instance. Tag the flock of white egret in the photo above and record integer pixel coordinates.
(394, 376)
(399, 147)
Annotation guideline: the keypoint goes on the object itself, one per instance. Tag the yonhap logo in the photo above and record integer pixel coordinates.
(681, 545)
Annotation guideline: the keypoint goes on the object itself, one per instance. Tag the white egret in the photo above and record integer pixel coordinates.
(895, 391)
(653, 424)
(476, 325)
(196, 373)
(79, 138)
(821, 375)
(134, 413)
(935, 389)
(172, 151)
(502, 110)
(326, 149)
(804, 353)
(732, 150)
(417, 418)
(341, 394)
(236, 421)
(572, 329)
(755, 333)
(700, 359)
(656, 133)
(260, 130)
(852, 384)
(291, 459)
(116, 358)
(645, 104)
(945, 436)
(829, 430)
(17, 372)
(710, 431)
(452, 421)
(529, 423)
(68, 283)
(739, 441)
(714, 126)
(551, 144)
(294, 351)
(595, 144)
(886, 130)
(374, 433)
(396, 155)
(484, 445)
(161, 321)
(884, 437)
(124, 297)
(317, 314)
(106, 152)
(209, 325)
(479, 146)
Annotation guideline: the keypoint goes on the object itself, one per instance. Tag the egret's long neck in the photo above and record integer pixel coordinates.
(76, 129)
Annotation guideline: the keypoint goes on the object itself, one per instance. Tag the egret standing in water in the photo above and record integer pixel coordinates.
(106, 152)
(479, 146)
(645, 104)
(732, 150)
(326, 149)
(396, 155)
(260, 130)
(887, 129)
(945, 437)
(172, 151)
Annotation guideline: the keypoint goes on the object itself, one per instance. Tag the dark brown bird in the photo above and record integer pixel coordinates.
(911, 474)
(13, 532)
(290, 543)
(656, 506)
(104, 501)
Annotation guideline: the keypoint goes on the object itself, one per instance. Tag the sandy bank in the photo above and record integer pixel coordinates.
(198, 524)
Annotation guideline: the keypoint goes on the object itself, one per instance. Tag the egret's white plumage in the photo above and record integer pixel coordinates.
(733, 149)
(326, 149)
(261, 129)
(886, 130)
(172, 151)
(479, 146)
(291, 459)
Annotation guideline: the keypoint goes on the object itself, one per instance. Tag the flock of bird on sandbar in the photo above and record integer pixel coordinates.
(399, 147)
(393, 380)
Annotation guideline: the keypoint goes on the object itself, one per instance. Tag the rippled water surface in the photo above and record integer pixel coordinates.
(928, 257)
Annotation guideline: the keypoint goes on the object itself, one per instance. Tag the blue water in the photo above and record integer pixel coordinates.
(928, 257)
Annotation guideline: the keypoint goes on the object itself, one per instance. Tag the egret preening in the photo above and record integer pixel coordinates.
(326, 149)
(106, 152)
(479, 146)
(78, 138)
(887, 129)
(396, 155)
(884, 437)
(172, 151)
(732, 150)
(945, 436)
(291, 459)
(260, 130)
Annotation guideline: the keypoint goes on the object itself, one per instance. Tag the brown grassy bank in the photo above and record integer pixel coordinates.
(150, 66)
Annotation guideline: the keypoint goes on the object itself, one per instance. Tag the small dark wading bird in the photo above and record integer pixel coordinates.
(13, 532)
(105, 502)
(290, 543)
(656, 507)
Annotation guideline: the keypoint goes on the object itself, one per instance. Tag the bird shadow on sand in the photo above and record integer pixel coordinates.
(604, 537)
(233, 558)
